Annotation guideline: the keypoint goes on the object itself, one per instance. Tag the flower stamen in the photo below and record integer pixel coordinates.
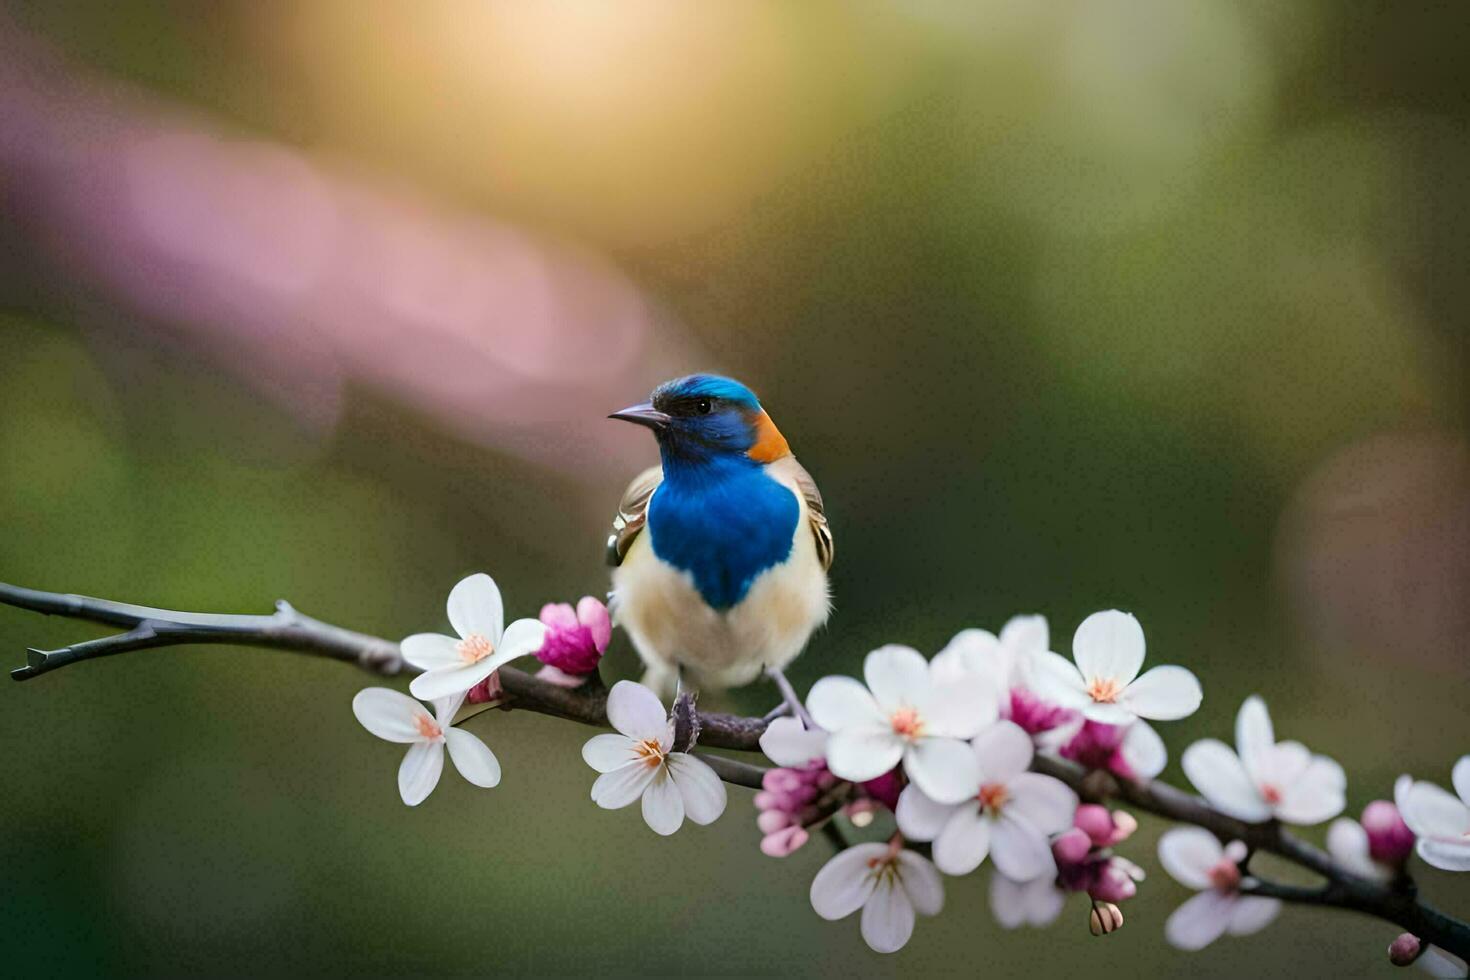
(649, 752)
(1271, 794)
(428, 727)
(906, 722)
(474, 648)
(993, 796)
(1225, 876)
(1104, 690)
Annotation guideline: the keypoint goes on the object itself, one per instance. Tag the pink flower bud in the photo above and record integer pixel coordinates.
(771, 821)
(780, 780)
(1071, 847)
(783, 842)
(1405, 949)
(885, 788)
(1390, 841)
(486, 691)
(1099, 746)
(766, 800)
(1096, 823)
(1113, 884)
(575, 640)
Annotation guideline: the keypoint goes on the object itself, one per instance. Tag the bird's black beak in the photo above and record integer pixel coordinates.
(644, 414)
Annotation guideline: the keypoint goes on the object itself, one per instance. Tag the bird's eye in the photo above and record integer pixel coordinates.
(703, 406)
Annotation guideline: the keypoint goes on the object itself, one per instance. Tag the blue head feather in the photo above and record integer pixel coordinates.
(710, 418)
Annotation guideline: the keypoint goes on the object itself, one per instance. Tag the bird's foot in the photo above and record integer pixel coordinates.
(788, 695)
(781, 710)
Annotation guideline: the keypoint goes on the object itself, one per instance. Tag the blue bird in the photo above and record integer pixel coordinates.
(721, 553)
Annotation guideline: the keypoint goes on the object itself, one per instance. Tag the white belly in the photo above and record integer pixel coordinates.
(671, 625)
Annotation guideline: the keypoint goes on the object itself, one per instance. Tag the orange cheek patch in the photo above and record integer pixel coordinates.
(770, 444)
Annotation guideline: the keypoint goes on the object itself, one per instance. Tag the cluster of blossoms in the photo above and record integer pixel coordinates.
(944, 750)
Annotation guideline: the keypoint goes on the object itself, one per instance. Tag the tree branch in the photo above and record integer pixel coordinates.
(287, 629)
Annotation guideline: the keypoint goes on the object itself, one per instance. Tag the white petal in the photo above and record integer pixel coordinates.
(1188, 854)
(1432, 812)
(1316, 795)
(427, 651)
(839, 702)
(1004, 751)
(388, 714)
(1252, 913)
(1254, 736)
(787, 742)
(419, 772)
(888, 918)
(922, 883)
(475, 607)
(616, 789)
(971, 651)
(1019, 850)
(1281, 765)
(1401, 787)
(844, 884)
(1144, 751)
(860, 756)
(919, 817)
(1199, 921)
(1043, 901)
(1437, 963)
(1217, 773)
(962, 706)
(663, 807)
(944, 768)
(446, 707)
(963, 843)
(445, 681)
(1109, 645)
(522, 638)
(637, 712)
(1108, 714)
(608, 752)
(1054, 678)
(1347, 842)
(1460, 778)
(898, 676)
(1445, 855)
(702, 791)
(1164, 694)
(1007, 901)
(1026, 635)
(472, 758)
(1045, 803)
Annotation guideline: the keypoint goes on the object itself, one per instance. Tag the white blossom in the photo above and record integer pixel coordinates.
(1104, 684)
(888, 883)
(485, 643)
(1195, 859)
(396, 717)
(1264, 778)
(640, 762)
(904, 714)
(1438, 819)
(1010, 818)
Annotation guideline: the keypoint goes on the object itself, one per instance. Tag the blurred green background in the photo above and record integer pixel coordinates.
(1068, 306)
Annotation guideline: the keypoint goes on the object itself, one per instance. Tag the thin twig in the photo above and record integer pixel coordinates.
(287, 629)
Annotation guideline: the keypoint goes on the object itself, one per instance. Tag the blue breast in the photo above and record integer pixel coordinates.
(724, 526)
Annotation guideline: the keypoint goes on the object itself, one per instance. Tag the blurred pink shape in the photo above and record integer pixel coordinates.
(1374, 552)
(299, 277)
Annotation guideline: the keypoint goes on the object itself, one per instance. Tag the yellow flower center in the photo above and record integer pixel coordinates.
(1104, 690)
(649, 752)
(992, 796)
(474, 648)
(428, 727)
(906, 722)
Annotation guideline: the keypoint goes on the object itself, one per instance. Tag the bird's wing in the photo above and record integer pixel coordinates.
(816, 514)
(632, 513)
